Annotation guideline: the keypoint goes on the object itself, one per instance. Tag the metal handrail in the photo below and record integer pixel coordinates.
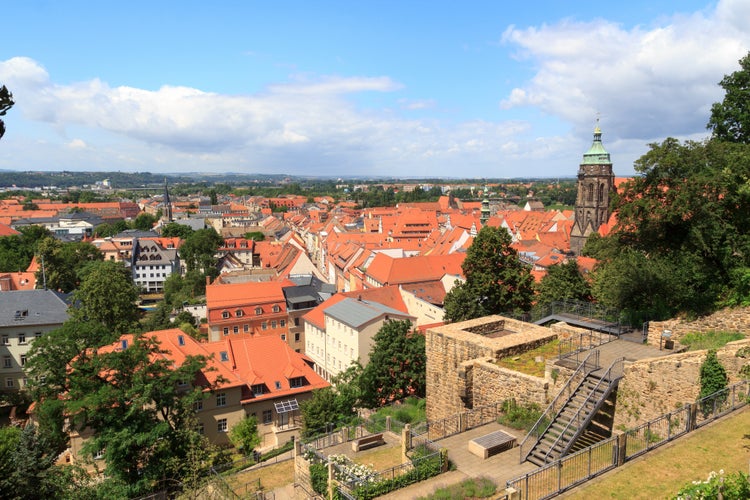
(618, 363)
(586, 366)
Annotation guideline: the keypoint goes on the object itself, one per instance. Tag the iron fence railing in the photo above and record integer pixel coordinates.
(589, 364)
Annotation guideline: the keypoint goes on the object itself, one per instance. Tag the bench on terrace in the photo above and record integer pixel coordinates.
(367, 442)
(491, 444)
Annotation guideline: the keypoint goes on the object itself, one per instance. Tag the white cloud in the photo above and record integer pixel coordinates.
(647, 82)
(77, 144)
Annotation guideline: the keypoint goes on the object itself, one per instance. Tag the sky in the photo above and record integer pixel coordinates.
(411, 89)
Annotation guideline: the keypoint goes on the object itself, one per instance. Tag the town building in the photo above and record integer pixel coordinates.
(25, 316)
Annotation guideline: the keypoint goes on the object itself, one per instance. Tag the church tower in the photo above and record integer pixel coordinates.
(166, 213)
(595, 183)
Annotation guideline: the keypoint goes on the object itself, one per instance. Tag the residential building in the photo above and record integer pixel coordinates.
(308, 292)
(247, 309)
(341, 330)
(25, 315)
(152, 261)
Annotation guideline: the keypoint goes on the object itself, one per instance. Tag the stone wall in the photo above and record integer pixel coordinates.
(655, 386)
(729, 320)
(455, 351)
(492, 384)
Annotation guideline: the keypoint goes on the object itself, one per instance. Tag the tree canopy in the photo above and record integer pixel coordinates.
(496, 280)
(6, 102)
(107, 296)
(199, 250)
(397, 365)
(61, 264)
(730, 118)
(562, 282)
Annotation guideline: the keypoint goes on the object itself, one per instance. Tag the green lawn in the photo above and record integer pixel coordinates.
(724, 444)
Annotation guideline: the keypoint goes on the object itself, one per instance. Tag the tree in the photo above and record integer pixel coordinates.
(107, 296)
(141, 412)
(563, 282)
(332, 405)
(397, 365)
(730, 118)
(496, 281)
(244, 434)
(6, 102)
(255, 236)
(62, 262)
(713, 380)
(174, 229)
(199, 250)
(145, 221)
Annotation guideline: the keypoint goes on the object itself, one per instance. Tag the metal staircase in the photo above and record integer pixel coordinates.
(574, 416)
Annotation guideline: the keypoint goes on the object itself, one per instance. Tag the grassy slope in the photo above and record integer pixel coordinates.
(724, 444)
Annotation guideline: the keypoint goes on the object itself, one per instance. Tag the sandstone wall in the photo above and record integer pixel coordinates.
(492, 384)
(731, 320)
(454, 351)
(655, 386)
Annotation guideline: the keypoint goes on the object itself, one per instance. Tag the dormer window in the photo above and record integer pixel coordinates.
(278, 385)
(224, 356)
(225, 314)
(239, 313)
(180, 340)
(258, 389)
(258, 311)
(296, 382)
(276, 308)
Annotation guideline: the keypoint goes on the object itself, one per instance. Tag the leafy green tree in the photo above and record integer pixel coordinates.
(730, 118)
(332, 405)
(199, 250)
(713, 378)
(179, 289)
(562, 282)
(174, 229)
(689, 206)
(158, 319)
(105, 229)
(244, 434)
(10, 436)
(107, 296)
(145, 221)
(61, 263)
(496, 281)
(141, 412)
(397, 365)
(6, 102)
(255, 236)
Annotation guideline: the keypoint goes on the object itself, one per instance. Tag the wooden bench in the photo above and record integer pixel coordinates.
(367, 442)
(491, 444)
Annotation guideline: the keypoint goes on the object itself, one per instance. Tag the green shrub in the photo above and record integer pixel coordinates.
(713, 380)
(517, 416)
(735, 486)
(319, 478)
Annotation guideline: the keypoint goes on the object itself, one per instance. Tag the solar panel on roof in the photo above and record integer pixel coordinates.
(286, 406)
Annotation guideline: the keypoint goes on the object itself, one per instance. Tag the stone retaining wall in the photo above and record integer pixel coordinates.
(729, 320)
(655, 386)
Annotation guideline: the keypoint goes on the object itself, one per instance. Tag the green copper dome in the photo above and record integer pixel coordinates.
(596, 155)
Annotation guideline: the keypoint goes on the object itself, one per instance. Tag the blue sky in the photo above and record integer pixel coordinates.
(408, 89)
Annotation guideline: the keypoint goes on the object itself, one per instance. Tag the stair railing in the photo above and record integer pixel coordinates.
(589, 364)
(612, 375)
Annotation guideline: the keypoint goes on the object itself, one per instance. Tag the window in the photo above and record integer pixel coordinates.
(282, 323)
(264, 325)
(276, 308)
(296, 382)
(278, 385)
(180, 340)
(9, 382)
(239, 313)
(283, 337)
(267, 417)
(7, 362)
(257, 389)
(21, 338)
(296, 337)
(221, 399)
(221, 425)
(224, 356)
(258, 311)
(246, 328)
(198, 405)
(236, 329)
(226, 330)
(225, 314)
(273, 324)
(23, 360)
(6, 340)
(296, 321)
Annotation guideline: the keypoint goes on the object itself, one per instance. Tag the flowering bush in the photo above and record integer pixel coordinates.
(349, 471)
(735, 486)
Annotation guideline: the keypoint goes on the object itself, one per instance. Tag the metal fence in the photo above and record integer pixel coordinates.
(565, 473)
(562, 474)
